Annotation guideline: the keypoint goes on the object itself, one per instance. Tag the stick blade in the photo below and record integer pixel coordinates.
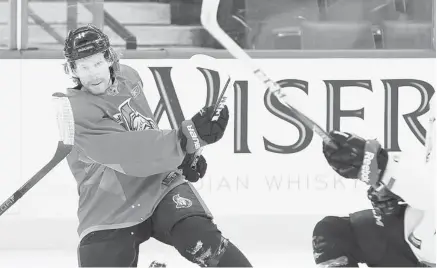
(204, 61)
(64, 118)
(211, 63)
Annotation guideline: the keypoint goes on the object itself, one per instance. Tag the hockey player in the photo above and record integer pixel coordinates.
(400, 229)
(130, 173)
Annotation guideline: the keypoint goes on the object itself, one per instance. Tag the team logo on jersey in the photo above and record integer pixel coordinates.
(113, 89)
(182, 202)
(131, 119)
(136, 90)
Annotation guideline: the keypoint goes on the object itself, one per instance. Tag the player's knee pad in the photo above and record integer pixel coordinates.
(332, 241)
(198, 240)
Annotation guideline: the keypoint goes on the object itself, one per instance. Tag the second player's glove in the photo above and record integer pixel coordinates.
(356, 158)
(190, 174)
(204, 128)
(384, 202)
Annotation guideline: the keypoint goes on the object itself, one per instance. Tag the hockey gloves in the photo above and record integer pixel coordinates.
(190, 174)
(204, 128)
(384, 202)
(356, 158)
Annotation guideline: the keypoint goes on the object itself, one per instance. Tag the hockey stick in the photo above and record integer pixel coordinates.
(206, 62)
(65, 121)
(220, 101)
(209, 21)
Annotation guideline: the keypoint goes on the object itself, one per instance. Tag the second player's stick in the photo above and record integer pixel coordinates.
(209, 21)
(65, 121)
(209, 63)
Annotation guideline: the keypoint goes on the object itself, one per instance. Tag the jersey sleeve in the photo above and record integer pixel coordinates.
(135, 153)
(412, 180)
(413, 174)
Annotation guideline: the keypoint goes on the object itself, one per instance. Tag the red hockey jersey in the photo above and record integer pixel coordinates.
(123, 164)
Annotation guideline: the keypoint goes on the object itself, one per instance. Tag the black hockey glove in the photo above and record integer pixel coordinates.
(204, 128)
(384, 202)
(190, 174)
(356, 158)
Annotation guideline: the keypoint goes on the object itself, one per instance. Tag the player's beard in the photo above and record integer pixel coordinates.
(100, 88)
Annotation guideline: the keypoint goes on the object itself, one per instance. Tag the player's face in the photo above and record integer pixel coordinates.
(93, 73)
